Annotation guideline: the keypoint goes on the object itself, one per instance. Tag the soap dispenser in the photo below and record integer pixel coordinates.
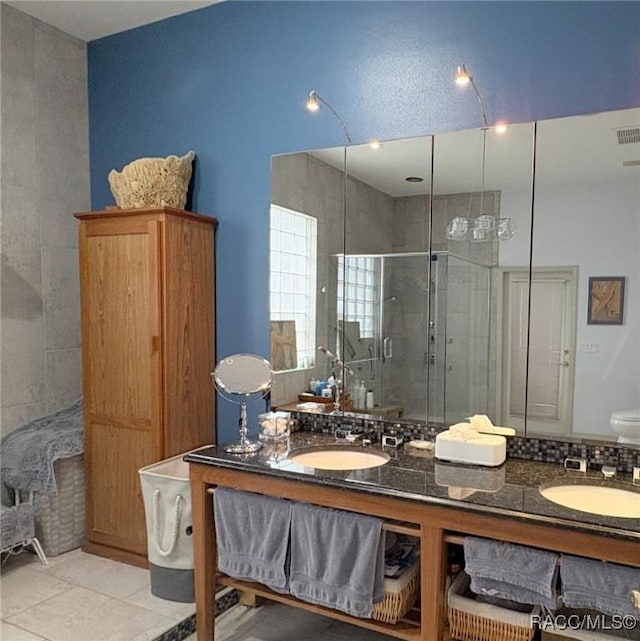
(331, 384)
(355, 392)
(369, 399)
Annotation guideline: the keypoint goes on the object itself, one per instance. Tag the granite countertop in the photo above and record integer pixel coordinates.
(510, 490)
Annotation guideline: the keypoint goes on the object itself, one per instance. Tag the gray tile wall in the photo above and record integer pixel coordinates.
(303, 183)
(44, 179)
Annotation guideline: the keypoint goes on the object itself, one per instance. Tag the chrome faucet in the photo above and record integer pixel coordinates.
(608, 471)
(342, 434)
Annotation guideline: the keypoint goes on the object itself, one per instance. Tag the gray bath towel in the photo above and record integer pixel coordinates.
(337, 559)
(515, 571)
(29, 452)
(509, 592)
(252, 533)
(607, 587)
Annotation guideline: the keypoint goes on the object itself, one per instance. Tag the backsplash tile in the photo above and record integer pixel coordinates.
(597, 453)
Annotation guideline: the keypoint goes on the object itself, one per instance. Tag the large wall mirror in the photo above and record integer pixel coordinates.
(585, 320)
(417, 274)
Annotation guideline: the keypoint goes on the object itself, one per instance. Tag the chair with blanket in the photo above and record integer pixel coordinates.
(28, 456)
(18, 530)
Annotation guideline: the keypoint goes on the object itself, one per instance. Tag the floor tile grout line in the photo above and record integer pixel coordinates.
(33, 605)
(171, 621)
(26, 630)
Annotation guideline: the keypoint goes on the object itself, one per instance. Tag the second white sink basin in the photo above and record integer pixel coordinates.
(339, 458)
(595, 499)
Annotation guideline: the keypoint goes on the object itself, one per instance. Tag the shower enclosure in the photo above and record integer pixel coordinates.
(415, 329)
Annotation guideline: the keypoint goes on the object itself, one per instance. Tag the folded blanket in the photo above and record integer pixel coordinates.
(252, 533)
(337, 559)
(607, 587)
(29, 452)
(515, 571)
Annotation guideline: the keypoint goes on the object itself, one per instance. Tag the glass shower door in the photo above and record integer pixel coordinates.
(403, 335)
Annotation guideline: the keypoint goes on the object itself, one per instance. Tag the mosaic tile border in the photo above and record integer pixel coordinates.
(596, 453)
(179, 631)
(187, 626)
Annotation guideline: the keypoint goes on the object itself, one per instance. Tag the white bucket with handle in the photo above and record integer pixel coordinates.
(167, 502)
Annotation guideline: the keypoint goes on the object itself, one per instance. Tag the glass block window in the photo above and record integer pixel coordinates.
(293, 251)
(357, 292)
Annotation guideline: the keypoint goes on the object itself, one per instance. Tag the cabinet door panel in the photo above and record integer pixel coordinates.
(118, 322)
(115, 508)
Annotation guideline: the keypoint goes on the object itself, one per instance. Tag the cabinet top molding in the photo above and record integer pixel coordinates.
(115, 212)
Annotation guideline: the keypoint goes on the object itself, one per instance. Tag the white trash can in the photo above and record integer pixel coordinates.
(167, 503)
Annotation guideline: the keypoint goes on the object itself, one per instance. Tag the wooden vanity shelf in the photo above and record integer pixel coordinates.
(401, 528)
(404, 629)
(454, 539)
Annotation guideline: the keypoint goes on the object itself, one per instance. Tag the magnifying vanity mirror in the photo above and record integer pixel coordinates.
(243, 375)
(423, 288)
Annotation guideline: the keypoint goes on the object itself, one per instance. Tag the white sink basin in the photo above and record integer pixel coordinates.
(339, 458)
(596, 499)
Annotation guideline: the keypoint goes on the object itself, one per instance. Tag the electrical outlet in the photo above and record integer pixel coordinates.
(588, 348)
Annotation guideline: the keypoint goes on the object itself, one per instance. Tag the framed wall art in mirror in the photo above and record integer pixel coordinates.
(606, 300)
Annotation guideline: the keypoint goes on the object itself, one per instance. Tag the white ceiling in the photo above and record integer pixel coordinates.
(92, 19)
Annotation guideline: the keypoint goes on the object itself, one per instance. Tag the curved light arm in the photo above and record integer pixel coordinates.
(312, 105)
(481, 101)
(463, 77)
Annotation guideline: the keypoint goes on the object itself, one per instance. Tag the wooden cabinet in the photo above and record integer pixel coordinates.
(147, 309)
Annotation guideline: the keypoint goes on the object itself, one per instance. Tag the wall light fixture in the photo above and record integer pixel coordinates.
(313, 104)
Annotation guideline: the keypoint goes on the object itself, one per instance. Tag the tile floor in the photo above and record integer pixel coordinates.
(81, 597)
(277, 622)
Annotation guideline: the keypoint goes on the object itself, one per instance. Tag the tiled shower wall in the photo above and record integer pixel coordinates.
(44, 179)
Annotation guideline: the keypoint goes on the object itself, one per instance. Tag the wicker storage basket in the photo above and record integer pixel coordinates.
(60, 517)
(471, 620)
(399, 595)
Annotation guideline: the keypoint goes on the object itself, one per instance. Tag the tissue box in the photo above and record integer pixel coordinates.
(485, 449)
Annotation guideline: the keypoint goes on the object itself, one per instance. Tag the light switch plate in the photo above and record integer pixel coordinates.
(588, 348)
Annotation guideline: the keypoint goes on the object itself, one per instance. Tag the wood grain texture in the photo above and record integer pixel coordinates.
(147, 315)
(188, 313)
(119, 314)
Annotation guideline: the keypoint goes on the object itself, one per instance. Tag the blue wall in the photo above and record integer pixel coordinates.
(229, 81)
